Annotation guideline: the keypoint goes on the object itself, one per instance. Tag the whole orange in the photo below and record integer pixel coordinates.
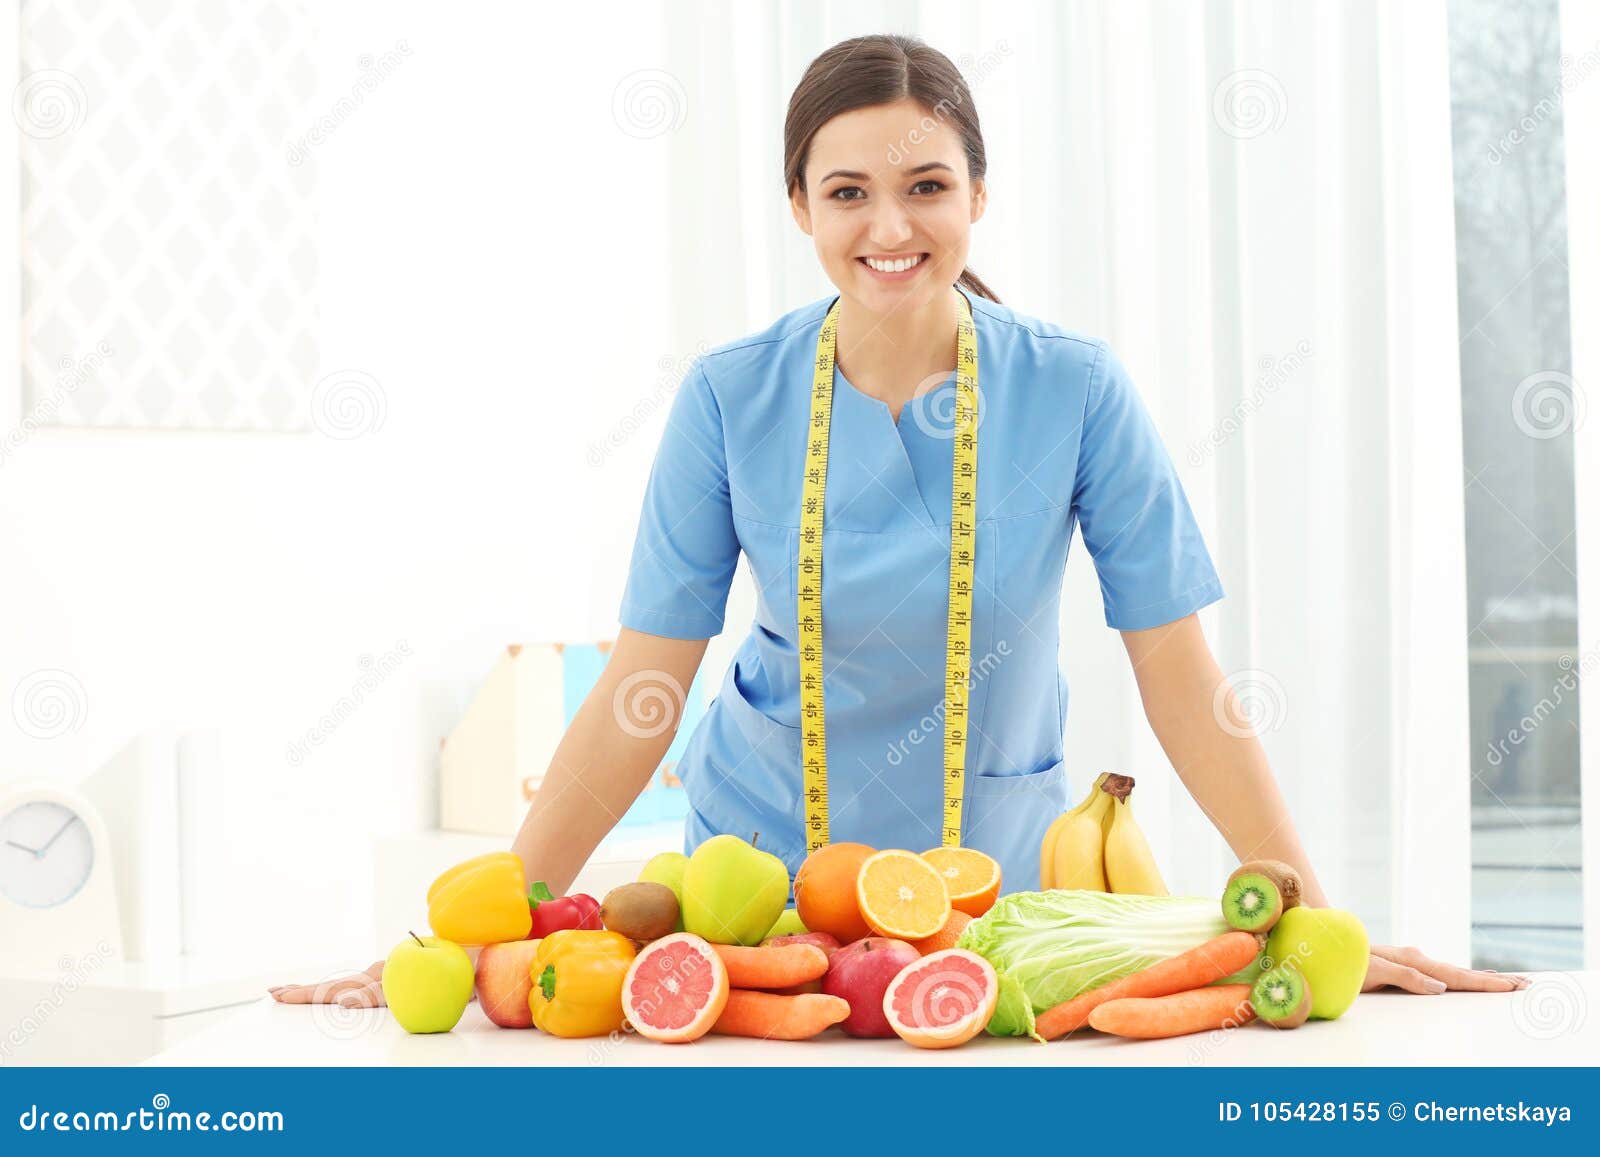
(825, 891)
(947, 936)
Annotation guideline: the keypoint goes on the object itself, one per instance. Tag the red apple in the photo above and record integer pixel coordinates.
(503, 982)
(823, 940)
(860, 972)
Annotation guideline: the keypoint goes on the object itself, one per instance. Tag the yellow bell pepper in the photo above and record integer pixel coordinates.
(483, 900)
(577, 982)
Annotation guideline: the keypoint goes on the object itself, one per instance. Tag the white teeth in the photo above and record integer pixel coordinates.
(894, 266)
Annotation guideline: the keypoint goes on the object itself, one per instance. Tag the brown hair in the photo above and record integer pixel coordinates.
(872, 70)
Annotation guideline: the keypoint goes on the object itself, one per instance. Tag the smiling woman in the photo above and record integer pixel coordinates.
(884, 165)
(921, 552)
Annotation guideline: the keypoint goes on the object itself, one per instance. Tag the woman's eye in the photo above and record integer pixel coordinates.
(857, 193)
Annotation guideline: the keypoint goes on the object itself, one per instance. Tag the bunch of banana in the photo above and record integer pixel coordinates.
(1098, 845)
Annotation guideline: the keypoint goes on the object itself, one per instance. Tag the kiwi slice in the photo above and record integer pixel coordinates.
(1281, 874)
(1281, 997)
(1258, 893)
(1251, 902)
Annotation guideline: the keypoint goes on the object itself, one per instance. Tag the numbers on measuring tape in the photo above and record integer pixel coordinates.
(958, 626)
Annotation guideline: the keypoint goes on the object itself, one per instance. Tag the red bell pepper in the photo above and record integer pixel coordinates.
(553, 913)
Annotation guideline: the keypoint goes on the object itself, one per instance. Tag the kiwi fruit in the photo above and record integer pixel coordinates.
(1281, 997)
(642, 911)
(1258, 893)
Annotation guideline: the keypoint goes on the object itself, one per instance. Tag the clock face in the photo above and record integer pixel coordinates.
(46, 854)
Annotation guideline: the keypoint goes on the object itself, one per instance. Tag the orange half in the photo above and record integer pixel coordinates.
(972, 878)
(902, 895)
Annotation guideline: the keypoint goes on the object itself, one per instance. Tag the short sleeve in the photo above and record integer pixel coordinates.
(686, 548)
(1134, 516)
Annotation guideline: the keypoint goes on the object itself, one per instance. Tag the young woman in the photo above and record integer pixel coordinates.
(838, 447)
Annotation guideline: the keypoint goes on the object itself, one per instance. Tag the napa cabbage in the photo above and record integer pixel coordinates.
(1050, 946)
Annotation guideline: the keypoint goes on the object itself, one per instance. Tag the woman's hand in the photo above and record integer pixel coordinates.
(358, 990)
(1409, 969)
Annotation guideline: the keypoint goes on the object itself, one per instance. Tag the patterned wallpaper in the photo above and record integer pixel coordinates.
(169, 260)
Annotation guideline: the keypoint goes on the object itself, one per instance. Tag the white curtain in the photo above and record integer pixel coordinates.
(1252, 202)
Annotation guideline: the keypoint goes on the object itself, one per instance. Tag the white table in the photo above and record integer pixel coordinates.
(121, 1013)
(1556, 1022)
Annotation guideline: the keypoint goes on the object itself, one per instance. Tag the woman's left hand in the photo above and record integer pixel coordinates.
(1409, 969)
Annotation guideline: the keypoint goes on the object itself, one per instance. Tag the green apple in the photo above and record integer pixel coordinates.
(732, 892)
(668, 868)
(427, 982)
(788, 925)
(1329, 947)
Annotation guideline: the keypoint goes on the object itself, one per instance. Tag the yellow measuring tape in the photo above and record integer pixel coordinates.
(963, 502)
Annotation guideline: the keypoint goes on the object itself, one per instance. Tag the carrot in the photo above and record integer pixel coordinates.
(774, 1017)
(1198, 1010)
(777, 966)
(796, 989)
(1196, 968)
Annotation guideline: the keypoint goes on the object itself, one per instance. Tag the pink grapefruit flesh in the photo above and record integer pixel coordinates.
(675, 989)
(943, 999)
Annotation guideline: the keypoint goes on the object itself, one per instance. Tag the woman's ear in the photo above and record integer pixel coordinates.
(800, 206)
(980, 199)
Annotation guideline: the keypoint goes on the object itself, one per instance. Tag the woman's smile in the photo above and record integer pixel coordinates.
(894, 267)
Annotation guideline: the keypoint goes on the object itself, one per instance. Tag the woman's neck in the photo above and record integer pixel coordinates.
(889, 355)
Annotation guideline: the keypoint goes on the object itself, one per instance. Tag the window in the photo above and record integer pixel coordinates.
(1519, 408)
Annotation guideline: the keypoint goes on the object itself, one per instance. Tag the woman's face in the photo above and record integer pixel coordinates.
(887, 186)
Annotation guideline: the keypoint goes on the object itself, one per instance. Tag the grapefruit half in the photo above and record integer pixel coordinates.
(942, 1000)
(675, 989)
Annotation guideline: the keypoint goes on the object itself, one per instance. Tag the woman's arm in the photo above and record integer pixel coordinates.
(1227, 774)
(1226, 771)
(608, 754)
(606, 757)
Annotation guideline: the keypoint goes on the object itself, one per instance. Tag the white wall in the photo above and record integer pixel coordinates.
(493, 254)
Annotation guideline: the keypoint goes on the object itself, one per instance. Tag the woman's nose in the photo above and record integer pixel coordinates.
(892, 225)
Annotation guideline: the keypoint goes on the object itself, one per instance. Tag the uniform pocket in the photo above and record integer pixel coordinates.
(1006, 816)
(746, 769)
(776, 739)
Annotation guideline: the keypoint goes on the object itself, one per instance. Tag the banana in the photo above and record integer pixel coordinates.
(1129, 865)
(1098, 845)
(1079, 852)
(1047, 846)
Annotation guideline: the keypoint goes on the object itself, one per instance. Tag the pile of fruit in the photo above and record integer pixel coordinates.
(882, 944)
(704, 944)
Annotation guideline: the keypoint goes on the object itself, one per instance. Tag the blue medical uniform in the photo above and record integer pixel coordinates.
(1063, 441)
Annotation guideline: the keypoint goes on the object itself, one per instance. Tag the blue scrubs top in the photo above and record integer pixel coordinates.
(1063, 441)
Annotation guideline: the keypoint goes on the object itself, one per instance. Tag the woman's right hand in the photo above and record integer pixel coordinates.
(357, 990)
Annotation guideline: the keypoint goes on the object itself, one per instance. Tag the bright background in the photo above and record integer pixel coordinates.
(1352, 301)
